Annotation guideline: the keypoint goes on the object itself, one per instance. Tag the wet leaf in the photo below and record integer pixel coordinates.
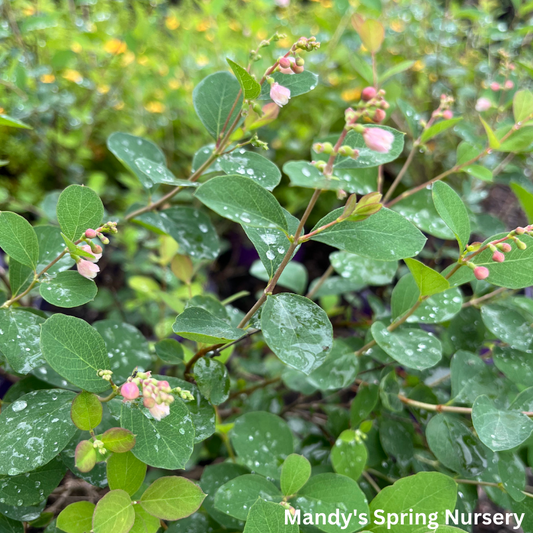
(349, 455)
(295, 473)
(86, 411)
(197, 324)
(269, 515)
(68, 289)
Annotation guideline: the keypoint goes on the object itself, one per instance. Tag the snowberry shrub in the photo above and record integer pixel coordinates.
(406, 412)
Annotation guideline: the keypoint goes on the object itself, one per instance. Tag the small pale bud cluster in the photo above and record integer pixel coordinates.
(444, 111)
(183, 394)
(506, 86)
(105, 374)
(254, 54)
(329, 149)
(99, 446)
(291, 65)
(307, 44)
(356, 211)
(289, 507)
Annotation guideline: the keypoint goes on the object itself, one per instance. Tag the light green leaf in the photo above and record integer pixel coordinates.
(297, 330)
(363, 270)
(295, 473)
(385, 236)
(236, 497)
(76, 517)
(128, 148)
(413, 348)
(253, 166)
(453, 211)
(396, 69)
(167, 443)
(298, 84)
(429, 281)
(13, 122)
(242, 200)
(349, 455)
(197, 324)
(509, 325)
(455, 446)
(75, 351)
(250, 433)
(159, 173)
(125, 472)
(363, 404)
(268, 516)
(404, 295)
(214, 98)
(479, 172)
(525, 198)
(438, 128)
(494, 143)
(118, 440)
(68, 289)
(499, 430)
(19, 341)
(327, 493)
(172, 498)
(114, 513)
(513, 475)
(250, 87)
(78, 209)
(18, 239)
(144, 522)
(86, 411)
(212, 379)
(39, 419)
(522, 105)
(294, 275)
(396, 438)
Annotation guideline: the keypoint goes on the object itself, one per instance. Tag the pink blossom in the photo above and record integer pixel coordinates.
(160, 410)
(282, 3)
(285, 65)
(368, 93)
(378, 140)
(87, 248)
(447, 114)
(481, 273)
(88, 269)
(279, 94)
(498, 257)
(495, 86)
(509, 84)
(130, 391)
(483, 104)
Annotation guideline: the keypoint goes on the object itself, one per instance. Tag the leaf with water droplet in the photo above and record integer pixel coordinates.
(270, 515)
(298, 84)
(68, 289)
(18, 239)
(509, 325)
(349, 455)
(212, 379)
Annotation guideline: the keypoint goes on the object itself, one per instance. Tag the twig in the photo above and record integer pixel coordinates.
(320, 282)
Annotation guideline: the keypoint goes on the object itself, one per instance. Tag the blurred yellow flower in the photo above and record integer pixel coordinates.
(127, 59)
(174, 84)
(202, 61)
(397, 26)
(326, 3)
(419, 65)
(76, 48)
(73, 75)
(142, 60)
(119, 106)
(333, 79)
(28, 11)
(2, 110)
(284, 43)
(172, 22)
(350, 95)
(103, 89)
(234, 26)
(47, 78)
(203, 26)
(154, 107)
(115, 46)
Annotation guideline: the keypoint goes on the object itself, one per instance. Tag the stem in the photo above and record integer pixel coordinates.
(220, 137)
(320, 282)
(371, 481)
(249, 390)
(402, 172)
(115, 393)
(476, 301)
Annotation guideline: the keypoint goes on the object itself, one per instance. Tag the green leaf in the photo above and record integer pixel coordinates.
(169, 351)
(513, 475)
(453, 211)
(396, 438)
(385, 236)
(19, 339)
(438, 128)
(41, 420)
(363, 404)
(13, 122)
(362, 269)
(519, 141)
(295, 473)
(404, 295)
(144, 522)
(424, 493)
(327, 493)
(68, 289)
(396, 69)
(11, 526)
(514, 364)
(86, 411)
(294, 275)
(167, 443)
(429, 281)
(172, 498)
(413, 348)
(250, 87)
(508, 325)
(31, 488)
(118, 440)
(125, 472)
(212, 379)
(298, 84)
(159, 173)
(412, 118)
(236, 497)
(250, 433)
(470, 377)
(522, 105)
(18, 239)
(78, 209)
(268, 516)
(114, 513)
(76, 517)
(349, 455)
(199, 325)
(242, 200)
(75, 351)
(253, 166)
(214, 98)
(85, 456)
(525, 198)
(494, 143)
(389, 388)
(297, 330)
(455, 446)
(499, 430)
(128, 148)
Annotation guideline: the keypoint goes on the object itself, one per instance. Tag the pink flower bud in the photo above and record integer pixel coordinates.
(87, 269)
(520, 231)
(509, 84)
(483, 104)
(160, 410)
(495, 86)
(97, 256)
(297, 69)
(149, 403)
(285, 65)
(379, 115)
(481, 273)
(498, 257)
(378, 140)
(506, 247)
(447, 114)
(130, 391)
(368, 93)
(90, 233)
(279, 94)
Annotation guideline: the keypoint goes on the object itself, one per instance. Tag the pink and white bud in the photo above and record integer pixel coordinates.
(279, 94)
(378, 140)
(483, 104)
(505, 247)
(520, 230)
(130, 391)
(149, 402)
(498, 257)
(509, 84)
(285, 65)
(447, 114)
(368, 93)
(495, 86)
(481, 273)
(87, 269)
(97, 256)
(160, 410)
(379, 115)
(90, 233)
(298, 65)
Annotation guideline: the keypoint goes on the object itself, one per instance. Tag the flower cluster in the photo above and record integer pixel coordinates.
(91, 252)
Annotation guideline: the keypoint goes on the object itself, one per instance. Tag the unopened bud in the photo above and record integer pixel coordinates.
(328, 148)
(447, 114)
(520, 231)
(474, 246)
(284, 62)
(318, 148)
(492, 248)
(349, 207)
(504, 247)
(521, 245)
(481, 272)
(509, 84)
(379, 115)
(368, 93)
(321, 165)
(90, 233)
(346, 150)
(495, 86)
(498, 257)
